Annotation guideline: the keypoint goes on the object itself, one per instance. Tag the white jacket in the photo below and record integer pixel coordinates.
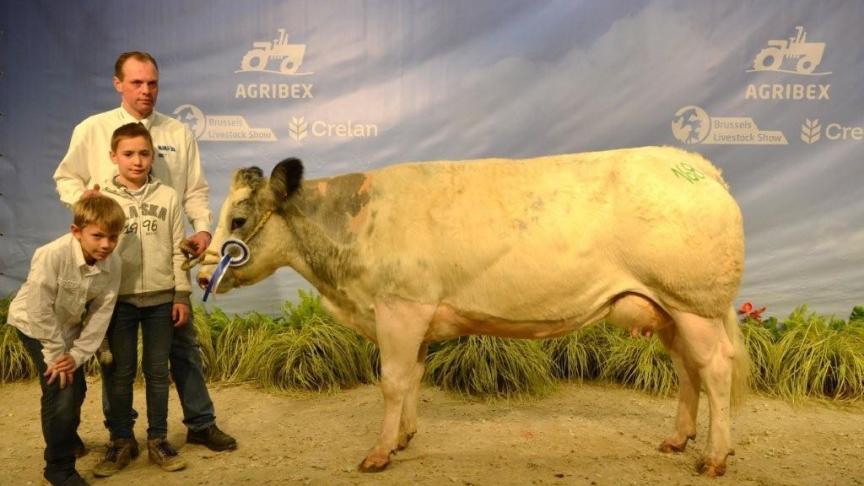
(150, 245)
(59, 290)
(177, 163)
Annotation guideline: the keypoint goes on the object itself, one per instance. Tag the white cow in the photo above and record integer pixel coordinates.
(413, 253)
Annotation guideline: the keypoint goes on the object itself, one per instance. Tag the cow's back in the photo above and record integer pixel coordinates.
(554, 237)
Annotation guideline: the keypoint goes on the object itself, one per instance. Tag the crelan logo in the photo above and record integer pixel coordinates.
(299, 129)
(812, 131)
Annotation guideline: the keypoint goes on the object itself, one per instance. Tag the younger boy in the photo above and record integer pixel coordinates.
(62, 312)
(154, 293)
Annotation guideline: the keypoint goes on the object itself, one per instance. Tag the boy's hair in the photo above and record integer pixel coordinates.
(130, 130)
(101, 211)
(138, 56)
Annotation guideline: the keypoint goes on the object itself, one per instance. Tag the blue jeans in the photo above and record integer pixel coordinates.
(61, 414)
(157, 330)
(188, 375)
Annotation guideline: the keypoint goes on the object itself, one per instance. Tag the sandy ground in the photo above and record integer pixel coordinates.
(580, 434)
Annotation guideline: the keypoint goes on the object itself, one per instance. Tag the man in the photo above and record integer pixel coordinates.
(177, 164)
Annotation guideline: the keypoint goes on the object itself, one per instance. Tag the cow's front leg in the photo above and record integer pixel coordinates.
(400, 327)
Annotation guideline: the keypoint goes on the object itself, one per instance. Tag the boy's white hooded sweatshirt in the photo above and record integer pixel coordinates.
(149, 247)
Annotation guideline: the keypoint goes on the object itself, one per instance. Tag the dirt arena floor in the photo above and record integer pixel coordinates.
(580, 434)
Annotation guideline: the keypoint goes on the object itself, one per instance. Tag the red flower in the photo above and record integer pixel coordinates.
(748, 311)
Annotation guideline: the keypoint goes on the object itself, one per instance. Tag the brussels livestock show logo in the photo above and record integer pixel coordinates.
(274, 57)
(692, 125)
(220, 128)
(796, 56)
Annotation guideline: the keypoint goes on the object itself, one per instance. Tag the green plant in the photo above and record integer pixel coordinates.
(579, 355)
(319, 356)
(759, 340)
(236, 340)
(819, 356)
(491, 366)
(643, 364)
(296, 314)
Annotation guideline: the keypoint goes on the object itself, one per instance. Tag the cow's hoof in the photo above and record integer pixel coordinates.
(374, 463)
(668, 447)
(404, 440)
(709, 468)
(671, 445)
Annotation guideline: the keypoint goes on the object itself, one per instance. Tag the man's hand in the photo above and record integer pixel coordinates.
(180, 314)
(196, 244)
(91, 192)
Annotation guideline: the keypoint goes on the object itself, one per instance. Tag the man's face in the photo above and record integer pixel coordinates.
(96, 242)
(139, 87)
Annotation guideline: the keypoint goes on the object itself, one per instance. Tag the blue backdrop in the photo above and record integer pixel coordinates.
(770, 91)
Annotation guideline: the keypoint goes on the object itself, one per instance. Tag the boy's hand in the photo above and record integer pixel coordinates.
(63, 368)
(180, 314)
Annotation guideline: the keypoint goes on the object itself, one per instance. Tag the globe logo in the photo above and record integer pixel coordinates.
(192, 117)
(691, 125)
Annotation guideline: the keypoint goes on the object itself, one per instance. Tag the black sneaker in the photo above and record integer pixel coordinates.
(213, 438)
(74, 479)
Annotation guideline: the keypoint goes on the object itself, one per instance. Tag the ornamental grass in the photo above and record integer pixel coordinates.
(805, 355)
(488, 366)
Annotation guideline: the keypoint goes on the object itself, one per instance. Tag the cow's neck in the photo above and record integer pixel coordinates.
(325, 263)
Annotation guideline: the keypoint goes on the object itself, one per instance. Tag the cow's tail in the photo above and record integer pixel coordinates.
(740, 358)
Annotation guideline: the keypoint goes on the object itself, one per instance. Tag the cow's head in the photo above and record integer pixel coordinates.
(254, 212)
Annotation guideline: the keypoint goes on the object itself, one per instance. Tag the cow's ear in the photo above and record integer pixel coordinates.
(248, 177)
(286, 178)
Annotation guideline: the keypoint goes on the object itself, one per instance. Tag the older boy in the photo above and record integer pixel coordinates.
(62, 312)
(154, 295)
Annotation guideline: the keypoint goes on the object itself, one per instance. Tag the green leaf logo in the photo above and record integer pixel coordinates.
(811, 131)
(297, 129)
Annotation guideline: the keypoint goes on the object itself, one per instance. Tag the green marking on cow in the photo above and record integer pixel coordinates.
(688, 172)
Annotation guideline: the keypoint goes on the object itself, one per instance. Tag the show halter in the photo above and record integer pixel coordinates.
(233, 253)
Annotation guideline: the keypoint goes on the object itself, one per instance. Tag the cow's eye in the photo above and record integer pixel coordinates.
(237, 222)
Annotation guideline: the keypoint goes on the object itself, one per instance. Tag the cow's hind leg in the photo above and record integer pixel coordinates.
(643, 317)
(400, 328)
(705, 349)
(688, 394)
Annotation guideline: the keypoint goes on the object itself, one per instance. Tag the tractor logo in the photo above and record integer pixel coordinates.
(282, 57)
(793, 55)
